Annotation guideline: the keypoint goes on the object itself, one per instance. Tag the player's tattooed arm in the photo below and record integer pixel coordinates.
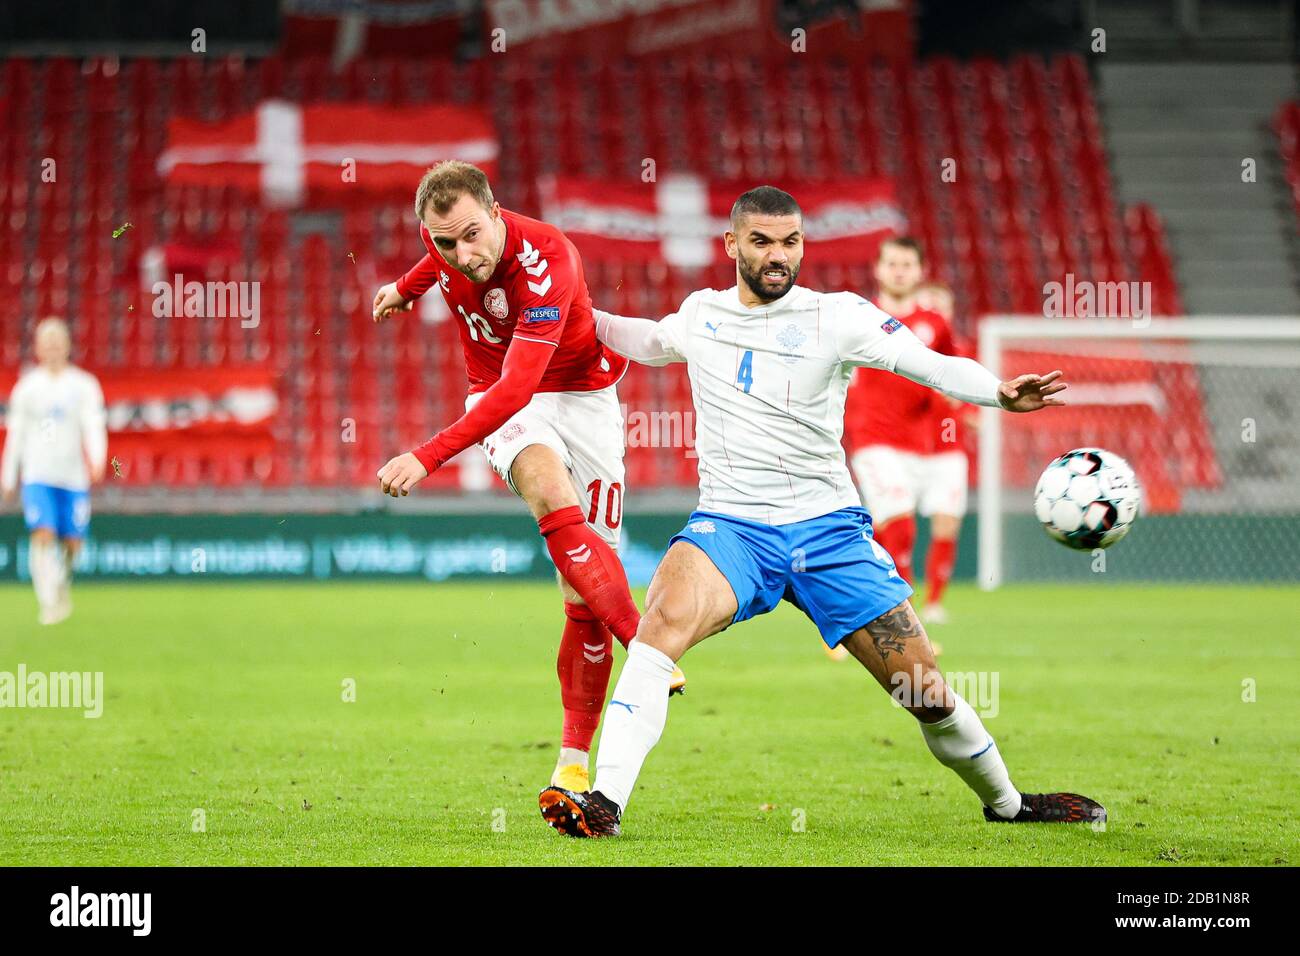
(893, 629)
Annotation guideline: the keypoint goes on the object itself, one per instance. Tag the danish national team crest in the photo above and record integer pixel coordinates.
(495, 302)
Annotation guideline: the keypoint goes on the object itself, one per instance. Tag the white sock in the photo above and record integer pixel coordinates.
(634, 719)
(571, 755)
(46, 569)
(960, 741)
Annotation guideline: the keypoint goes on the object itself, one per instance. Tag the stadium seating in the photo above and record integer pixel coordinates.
(1032, 199)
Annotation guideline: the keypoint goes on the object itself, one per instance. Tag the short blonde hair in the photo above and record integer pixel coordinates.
(52, 323)
(445, 183)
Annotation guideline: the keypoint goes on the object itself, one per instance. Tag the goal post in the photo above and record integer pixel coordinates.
(1206, 410)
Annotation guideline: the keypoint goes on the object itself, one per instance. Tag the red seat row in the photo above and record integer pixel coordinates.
(1031, 200)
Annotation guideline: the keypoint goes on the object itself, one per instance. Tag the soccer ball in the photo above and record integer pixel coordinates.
(1087, 498)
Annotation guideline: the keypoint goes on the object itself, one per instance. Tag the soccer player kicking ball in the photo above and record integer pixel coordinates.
(543, 406)
(56, 446)
(769, 363)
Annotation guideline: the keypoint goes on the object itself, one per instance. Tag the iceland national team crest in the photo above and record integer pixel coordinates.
(891, 325)
(495, 302)
(790, 338)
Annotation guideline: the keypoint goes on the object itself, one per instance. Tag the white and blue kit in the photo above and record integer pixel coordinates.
(779, 514)
(55, 423)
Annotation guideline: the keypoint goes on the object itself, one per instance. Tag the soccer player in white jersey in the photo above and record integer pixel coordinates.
(779, 517)
(56, 445)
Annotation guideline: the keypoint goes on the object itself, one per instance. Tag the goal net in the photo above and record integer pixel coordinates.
(1206, 410)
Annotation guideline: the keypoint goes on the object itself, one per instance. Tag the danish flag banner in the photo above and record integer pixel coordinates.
(183, 404)
(293, 154)
(680, 219)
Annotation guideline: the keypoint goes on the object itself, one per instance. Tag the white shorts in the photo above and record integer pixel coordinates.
(895, 482)
(586, 430)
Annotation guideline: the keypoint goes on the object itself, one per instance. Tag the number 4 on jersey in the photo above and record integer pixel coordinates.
(745, 374)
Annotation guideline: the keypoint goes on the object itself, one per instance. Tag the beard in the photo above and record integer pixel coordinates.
(758, 284)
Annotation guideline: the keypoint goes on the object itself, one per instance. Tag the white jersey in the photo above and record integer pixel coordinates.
(55, 423)
(768, 384)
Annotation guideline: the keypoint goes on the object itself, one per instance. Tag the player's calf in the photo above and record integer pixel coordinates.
(49, 573)
(895, 649)
(581, 556)
(583, 665)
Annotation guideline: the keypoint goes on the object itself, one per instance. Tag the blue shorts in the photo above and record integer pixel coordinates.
(831, 567)
(66, 513)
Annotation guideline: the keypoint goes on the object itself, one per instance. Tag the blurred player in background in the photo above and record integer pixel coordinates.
(904, 438)
(55, 449)
(542, 405)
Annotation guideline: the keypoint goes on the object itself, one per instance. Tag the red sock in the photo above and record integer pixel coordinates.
(897, 536)
(938, 568)
(592, 569)
(583, 664)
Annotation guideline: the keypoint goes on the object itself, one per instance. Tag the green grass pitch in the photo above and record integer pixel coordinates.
(229, 699)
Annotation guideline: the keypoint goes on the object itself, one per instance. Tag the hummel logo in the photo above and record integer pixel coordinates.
(579, 555)
(534, 266)
(529, 256)
(540, 288)
(630, 707)
(594, 653)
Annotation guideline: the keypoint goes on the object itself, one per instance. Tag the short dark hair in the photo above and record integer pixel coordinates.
(903, 242)
(764, 201)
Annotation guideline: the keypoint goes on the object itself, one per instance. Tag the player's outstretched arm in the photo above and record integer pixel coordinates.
(388, 302)
(419, 279)
(968, 381)
(522, 370)
(637, 339)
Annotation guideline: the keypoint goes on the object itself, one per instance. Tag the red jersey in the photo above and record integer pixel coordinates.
(527, 329)
(883, 408)
(538, 293)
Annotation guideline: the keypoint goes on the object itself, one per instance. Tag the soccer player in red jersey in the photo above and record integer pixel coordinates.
(542, 405)
(904, 439)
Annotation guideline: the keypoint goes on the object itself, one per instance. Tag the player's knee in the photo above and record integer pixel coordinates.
(944, 527)
(667, 628)
(542, 481)
(43, 536)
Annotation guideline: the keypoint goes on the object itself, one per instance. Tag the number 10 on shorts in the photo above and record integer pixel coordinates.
(613, 503)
